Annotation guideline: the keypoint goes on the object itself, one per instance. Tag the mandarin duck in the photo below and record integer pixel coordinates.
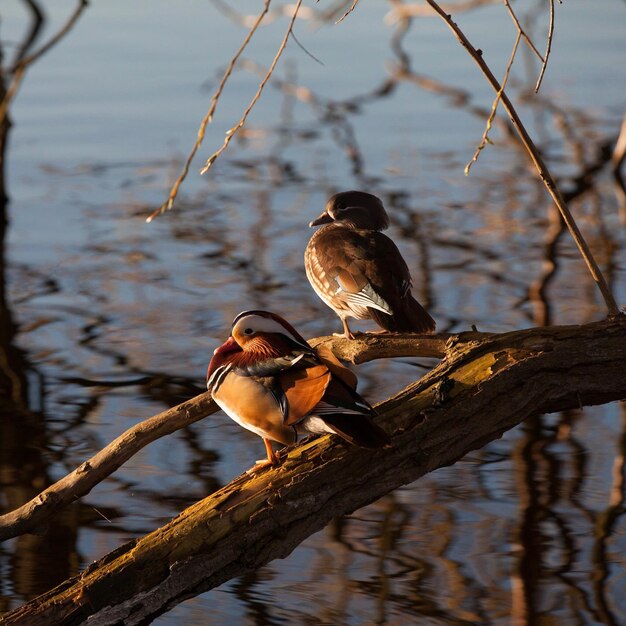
(359, 272)
(269, 380)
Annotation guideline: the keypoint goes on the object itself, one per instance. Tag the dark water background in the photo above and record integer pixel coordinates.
(107, 320)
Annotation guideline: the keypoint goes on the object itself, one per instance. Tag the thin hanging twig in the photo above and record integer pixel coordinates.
(527, 39)
(485, 139)
(538, 162)
(235, 129)
(343, 17)
(548, 47)
(167, 205)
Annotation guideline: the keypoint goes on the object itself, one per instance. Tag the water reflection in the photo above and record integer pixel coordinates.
(107, 322)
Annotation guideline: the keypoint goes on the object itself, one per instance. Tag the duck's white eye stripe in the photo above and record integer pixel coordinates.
(256, 324)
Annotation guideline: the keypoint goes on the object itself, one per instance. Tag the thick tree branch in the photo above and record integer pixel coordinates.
(478, 392)
(32, 516)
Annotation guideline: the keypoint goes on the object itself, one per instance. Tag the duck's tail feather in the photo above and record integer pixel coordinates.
(409, 316)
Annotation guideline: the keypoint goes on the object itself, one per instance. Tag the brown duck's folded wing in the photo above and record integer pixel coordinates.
(349, 277)
(409, 316)
(389, 277)
(384, 266)
(303, 389)
(359, 253)
(366, 264)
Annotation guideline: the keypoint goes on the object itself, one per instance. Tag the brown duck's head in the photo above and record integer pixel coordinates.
(354, 209)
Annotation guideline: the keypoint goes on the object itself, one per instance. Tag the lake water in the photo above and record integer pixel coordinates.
(109, 320)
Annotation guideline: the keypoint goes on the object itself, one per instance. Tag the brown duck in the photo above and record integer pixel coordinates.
(359, 272)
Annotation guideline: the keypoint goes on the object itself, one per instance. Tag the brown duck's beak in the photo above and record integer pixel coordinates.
(324, 218)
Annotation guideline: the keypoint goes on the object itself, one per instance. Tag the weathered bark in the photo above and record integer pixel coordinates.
(477, 393)
(33, 515)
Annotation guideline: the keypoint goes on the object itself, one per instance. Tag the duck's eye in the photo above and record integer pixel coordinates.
(248, 331)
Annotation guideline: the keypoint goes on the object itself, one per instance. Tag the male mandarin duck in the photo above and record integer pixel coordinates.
(359, 272)
(269, 380)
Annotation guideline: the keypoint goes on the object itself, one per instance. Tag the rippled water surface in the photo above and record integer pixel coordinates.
(107, 320)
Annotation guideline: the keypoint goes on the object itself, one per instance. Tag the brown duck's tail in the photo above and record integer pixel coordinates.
(409, 317)
(358, 430)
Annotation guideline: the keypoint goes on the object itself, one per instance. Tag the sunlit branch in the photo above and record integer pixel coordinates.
(521, 31)
(167, 205)
(246, 20)
(235, 129)
(352, 7)
(234, 15)
(82, 480)
(548, 47)
(537, 160)
(485, 138)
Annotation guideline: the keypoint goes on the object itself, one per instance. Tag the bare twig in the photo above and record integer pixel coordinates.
(307, 52)
(167, 205)
(548, 47)
(527, 39)
(31, 58)
(485, 139)
(235, 129)
(538, 162)
(343, 17)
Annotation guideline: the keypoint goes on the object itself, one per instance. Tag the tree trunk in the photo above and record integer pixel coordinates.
(481, 389)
